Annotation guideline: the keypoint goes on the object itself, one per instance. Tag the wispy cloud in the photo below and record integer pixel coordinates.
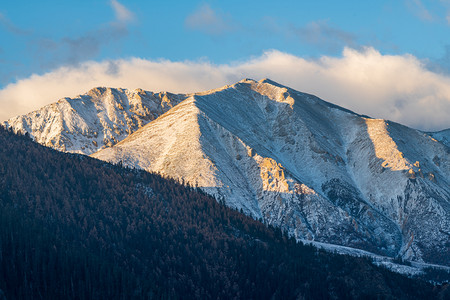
(122, 13)
(395, 87)
(74, 50)
(206, 20)
(442, 64)
(9, 26)
(445, 8)
(419, 9)
(324, 36)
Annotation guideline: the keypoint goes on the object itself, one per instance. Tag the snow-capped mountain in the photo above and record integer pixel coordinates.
(98, 119)
(315, 169)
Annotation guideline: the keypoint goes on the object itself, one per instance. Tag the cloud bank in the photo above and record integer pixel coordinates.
(394, 87)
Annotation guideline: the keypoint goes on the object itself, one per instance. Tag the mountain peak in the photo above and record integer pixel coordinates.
(98, 92)
(247, 80)
(271, 82)
(264, 80)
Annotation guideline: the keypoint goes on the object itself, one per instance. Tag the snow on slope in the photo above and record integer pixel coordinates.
(95, 120)
(410, 269)
(319, 171)
(400, 177)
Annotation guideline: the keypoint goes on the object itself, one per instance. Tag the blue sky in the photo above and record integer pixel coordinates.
(40, 38)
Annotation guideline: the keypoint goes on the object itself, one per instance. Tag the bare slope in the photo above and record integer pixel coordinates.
(319, 171)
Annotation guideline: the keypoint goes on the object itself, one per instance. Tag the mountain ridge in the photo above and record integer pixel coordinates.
(319, 171)
(99, 118)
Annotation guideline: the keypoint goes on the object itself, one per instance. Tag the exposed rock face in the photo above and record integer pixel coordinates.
(319, 171)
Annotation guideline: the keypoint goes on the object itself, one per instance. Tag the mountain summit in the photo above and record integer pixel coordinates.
(317, 170)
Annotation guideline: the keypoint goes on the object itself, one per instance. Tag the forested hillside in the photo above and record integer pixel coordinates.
(74, 227)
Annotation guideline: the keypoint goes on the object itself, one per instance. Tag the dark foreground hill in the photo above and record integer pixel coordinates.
(74, 227)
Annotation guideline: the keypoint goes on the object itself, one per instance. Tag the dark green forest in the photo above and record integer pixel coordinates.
(72, 227)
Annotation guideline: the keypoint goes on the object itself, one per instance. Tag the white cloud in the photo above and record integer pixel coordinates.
(395, 87)
(205, 19)
(122, 13)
